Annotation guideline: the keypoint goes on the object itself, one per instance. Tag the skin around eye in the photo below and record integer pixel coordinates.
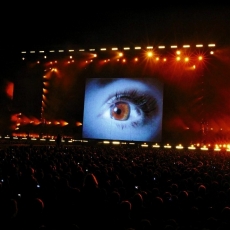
(123, 109)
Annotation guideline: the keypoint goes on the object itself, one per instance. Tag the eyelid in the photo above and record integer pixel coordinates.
(145, 101)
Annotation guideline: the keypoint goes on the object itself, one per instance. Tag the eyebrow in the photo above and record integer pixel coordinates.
(105, 81)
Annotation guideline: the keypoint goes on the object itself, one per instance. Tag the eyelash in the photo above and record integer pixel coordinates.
(146, 103)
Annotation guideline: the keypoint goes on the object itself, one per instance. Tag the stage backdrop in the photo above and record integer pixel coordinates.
(167, 97)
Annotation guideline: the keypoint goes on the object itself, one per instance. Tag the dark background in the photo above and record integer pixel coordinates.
(41, 26)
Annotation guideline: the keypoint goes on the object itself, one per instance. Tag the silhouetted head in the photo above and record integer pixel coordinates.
(90, 181)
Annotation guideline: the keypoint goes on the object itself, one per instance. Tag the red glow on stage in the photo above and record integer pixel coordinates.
(10, 89)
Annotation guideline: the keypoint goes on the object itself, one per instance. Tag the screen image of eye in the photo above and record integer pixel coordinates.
(130, 108)
(123, 109)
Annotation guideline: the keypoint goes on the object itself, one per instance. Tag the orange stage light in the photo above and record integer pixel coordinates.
(149, 54)
(78, 123)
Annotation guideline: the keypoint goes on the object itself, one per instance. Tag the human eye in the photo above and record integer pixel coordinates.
(129, 108)
(123, 109)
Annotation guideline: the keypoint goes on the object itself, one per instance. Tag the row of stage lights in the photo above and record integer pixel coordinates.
(198, 146)
(20, 120)
(157, 59)
(190, 61)
(216, 147)
(162, 47)
(149, 56)
(149, 52)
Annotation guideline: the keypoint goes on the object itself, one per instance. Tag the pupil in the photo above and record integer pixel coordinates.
(117, 111)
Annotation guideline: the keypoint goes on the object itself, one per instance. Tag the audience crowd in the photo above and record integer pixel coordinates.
(113, 188)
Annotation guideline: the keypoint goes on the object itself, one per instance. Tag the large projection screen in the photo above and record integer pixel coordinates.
(127, 109)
